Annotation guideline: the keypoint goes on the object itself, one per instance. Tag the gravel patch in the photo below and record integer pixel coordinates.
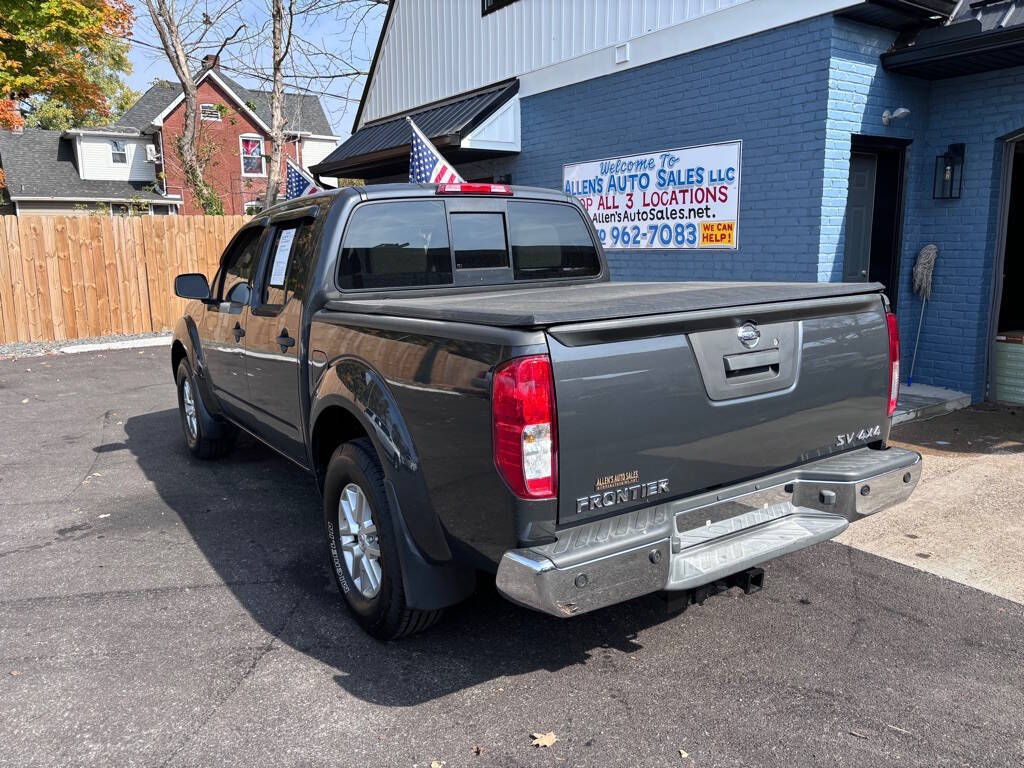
(21, 349)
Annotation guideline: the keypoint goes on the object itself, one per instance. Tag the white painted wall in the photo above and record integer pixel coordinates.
(435, 49)
(439, 48)
(94, 156)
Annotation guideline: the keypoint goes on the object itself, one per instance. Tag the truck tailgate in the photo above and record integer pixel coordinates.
(669, 405)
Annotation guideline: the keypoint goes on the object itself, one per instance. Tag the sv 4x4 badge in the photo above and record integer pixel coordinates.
(849, 438)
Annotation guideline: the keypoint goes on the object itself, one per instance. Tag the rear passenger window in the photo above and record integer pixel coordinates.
(291, 252)
(478, 240)
(550, 241)
(396, 245)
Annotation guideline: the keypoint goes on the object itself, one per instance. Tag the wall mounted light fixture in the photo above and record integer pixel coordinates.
(897, 114)
(949, 173)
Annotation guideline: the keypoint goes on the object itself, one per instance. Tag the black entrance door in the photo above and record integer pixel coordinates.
(874, 212)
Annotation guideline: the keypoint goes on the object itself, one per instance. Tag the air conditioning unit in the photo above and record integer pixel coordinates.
(151, 154)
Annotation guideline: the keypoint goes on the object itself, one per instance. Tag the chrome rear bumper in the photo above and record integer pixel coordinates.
(688, 543)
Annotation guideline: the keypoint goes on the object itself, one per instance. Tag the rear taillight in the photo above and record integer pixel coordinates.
(894, 361)
(467, 188)
(525, 431)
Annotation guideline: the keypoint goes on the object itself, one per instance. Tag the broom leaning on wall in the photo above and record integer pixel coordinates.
(924, 268)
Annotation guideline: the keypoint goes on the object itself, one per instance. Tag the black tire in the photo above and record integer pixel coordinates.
(199, 444)
(385, 615)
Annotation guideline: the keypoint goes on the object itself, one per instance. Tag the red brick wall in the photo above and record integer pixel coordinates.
(224, 171)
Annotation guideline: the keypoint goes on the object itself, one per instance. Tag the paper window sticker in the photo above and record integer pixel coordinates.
(284, 248)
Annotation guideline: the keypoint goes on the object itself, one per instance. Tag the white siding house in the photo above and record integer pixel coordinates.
(84, 170)
(118, 158)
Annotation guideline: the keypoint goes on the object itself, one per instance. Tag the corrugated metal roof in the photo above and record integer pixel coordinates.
(982, 36)
(445, 124)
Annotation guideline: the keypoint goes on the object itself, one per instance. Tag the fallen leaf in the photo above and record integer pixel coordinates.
(544, 739)
(683, 754)
(15, 673)
(437, 764)
(478, 750)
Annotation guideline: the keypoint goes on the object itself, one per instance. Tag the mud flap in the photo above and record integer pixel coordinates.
(428, 586)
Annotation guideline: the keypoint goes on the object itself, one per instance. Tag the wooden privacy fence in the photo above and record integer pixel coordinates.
(70, 277)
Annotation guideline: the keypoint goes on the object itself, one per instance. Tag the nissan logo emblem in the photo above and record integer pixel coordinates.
(748, 335)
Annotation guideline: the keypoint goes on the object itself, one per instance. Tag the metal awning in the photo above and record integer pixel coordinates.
(381, 148)
(985, 35)
(901, 14)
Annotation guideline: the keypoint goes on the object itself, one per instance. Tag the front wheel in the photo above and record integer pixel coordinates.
(361, 539)
(200, 444)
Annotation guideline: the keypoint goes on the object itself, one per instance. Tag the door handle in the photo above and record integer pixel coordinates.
(752, 366)
(284, 340)
(239, 332)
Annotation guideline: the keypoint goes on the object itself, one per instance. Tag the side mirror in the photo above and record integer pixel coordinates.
(192, 286)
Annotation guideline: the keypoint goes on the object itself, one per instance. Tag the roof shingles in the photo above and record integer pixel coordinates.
(41, 164)
(303, 111)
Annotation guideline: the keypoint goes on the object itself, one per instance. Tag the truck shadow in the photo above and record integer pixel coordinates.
(256, 519)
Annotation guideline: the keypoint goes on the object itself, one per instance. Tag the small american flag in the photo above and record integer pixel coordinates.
(298, 183)
(426, 166)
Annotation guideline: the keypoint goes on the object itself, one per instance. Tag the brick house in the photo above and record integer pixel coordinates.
(234, 127)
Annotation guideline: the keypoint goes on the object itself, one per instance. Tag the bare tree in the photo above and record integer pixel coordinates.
(282, 14)
(183, 32)
(299, 62)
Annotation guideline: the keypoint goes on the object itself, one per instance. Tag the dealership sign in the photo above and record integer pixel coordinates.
(675, 198)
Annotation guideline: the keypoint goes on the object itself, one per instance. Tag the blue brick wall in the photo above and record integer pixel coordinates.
(769, 90)
(980, 111)
(859, 91)
(795, 96)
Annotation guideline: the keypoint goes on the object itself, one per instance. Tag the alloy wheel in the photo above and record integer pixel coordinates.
(359, 545)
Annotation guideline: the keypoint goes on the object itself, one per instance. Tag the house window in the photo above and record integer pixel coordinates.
(489, 6)
(253, 161)
(118, 153)
(210, 112)
(253, 207)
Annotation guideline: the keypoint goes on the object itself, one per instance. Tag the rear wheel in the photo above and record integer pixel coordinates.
(358, 521)
(200, 444)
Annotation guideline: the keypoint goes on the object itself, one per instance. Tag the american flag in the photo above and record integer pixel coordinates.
(298, 183)
(426, 166)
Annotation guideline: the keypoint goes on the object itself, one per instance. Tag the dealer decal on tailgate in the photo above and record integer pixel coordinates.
(624, 495)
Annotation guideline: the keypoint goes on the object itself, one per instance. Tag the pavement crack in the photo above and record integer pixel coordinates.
(147, 591)
(261, 652)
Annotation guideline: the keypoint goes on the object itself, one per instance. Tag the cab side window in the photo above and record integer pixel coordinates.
(237, 268)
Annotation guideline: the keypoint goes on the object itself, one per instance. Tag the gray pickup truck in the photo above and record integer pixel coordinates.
(471, 393)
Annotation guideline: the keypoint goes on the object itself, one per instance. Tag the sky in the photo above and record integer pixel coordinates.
(331, 34)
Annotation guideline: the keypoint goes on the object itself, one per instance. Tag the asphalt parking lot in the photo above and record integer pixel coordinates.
(156, 610)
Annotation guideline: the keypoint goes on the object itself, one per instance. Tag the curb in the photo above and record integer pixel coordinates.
(152, 341)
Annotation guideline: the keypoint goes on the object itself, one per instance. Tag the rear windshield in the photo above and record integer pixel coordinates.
(550, 241)
(405, 244)
(396, 245)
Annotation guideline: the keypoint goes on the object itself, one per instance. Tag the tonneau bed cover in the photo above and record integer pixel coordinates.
(541, 306)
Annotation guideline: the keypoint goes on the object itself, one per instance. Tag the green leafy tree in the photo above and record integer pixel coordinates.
(45, 47)
(104, 68)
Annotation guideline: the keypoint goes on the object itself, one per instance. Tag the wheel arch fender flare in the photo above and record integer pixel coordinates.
(431, 577)
(186, 336)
